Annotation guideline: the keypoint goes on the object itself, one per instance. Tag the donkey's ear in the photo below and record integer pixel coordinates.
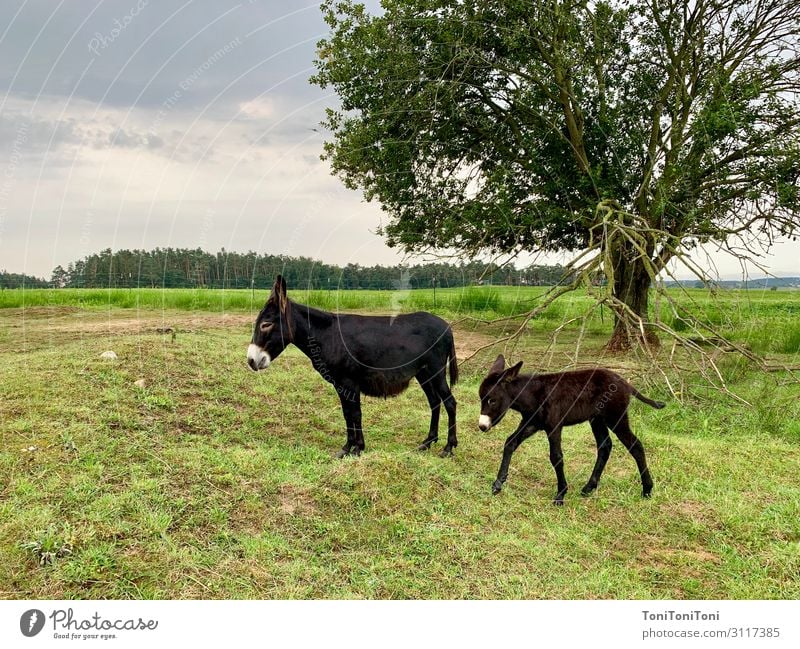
(512, 372)
(499, 365)
(279, 288)
(278, 294)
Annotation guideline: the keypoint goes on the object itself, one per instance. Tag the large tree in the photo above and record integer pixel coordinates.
(638, 129)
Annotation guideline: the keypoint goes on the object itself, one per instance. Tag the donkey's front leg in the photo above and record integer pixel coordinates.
(435, 402)
(351, 408)
(523, 432)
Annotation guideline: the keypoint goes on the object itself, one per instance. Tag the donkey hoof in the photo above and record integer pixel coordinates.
(348, 450)
(588, 489)
(424, 446)
(646, 494)
(496, 487)
(446, 452)
(559, 502)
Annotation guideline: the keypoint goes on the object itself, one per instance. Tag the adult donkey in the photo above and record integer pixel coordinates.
(374, 355)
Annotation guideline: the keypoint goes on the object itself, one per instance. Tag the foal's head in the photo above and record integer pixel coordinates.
(273, 329)
(495, 397)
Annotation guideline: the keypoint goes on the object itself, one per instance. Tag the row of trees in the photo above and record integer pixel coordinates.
(185, 268)
(19, 280)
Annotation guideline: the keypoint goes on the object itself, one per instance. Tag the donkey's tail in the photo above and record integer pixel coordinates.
(453, 361)
(658, 405)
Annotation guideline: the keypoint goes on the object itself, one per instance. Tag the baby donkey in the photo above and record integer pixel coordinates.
(550, 401)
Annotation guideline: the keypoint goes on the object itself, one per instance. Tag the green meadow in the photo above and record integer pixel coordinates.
(767, 321)
(206, 480)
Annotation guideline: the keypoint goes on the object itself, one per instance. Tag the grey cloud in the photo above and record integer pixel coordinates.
(102, 51)
(130, 139)
(125, 140)
(32, 135)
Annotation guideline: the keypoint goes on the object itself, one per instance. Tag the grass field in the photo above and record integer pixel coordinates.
(214, 482)
(767, 321)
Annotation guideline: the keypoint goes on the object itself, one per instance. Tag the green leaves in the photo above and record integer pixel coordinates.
(499, 125)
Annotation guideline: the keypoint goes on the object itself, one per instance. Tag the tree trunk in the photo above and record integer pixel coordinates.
(631, 286)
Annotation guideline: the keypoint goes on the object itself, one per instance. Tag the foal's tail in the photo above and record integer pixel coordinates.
(453, 361)
(658, 405)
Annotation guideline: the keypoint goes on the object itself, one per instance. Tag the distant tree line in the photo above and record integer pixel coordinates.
(184, 268)
(19, 280)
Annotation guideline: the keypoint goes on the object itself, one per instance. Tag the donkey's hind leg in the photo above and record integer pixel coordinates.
(449, 402)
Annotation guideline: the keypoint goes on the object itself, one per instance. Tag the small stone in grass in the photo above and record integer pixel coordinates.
(109, 355)
(141, 383)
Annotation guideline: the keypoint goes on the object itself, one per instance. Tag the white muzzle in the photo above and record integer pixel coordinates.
(257, 358)
(484, 422)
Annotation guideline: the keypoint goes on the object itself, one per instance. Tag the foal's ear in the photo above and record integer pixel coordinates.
(512, 372)
(499, 365)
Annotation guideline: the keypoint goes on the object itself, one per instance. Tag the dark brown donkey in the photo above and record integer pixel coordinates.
(550, 401)
(373, 355)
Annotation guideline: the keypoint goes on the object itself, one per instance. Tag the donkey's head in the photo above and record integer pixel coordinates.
(494, 393)
(273, 330)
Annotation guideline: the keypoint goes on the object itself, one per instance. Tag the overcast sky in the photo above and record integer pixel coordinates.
(183, 123)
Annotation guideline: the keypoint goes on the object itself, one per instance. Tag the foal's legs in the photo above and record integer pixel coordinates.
(523, 432)
(351, 408)
(557, 460)
(603, 440)
(623, 430)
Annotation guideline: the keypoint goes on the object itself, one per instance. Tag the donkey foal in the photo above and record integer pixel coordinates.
(551, 401)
